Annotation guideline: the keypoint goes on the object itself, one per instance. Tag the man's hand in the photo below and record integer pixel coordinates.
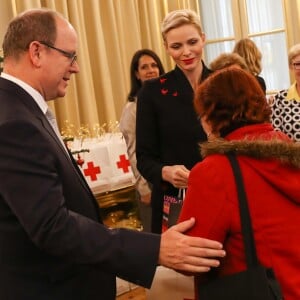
(189, 254)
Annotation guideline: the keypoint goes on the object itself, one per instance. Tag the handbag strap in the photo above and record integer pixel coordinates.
(251, 256)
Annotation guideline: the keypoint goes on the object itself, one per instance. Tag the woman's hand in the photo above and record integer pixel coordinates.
(177, 175)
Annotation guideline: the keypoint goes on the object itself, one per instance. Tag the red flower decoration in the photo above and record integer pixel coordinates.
(175, 94)
(79, 161)
(162, 80)
(164, 91)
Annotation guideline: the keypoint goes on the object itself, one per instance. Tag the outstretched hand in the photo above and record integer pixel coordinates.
(189, 254)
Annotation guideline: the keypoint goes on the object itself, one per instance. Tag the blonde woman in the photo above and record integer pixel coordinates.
(247, 49)
(167, 128)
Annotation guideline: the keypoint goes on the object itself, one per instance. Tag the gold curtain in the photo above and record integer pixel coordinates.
(109, 31)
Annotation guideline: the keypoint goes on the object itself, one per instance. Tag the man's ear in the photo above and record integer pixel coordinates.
(34, 53)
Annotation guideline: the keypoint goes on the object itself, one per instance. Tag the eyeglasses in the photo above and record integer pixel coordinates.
(296, 65)
(70, 55)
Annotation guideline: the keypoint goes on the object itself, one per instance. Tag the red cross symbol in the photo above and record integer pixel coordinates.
(92, 171)
(123, 163)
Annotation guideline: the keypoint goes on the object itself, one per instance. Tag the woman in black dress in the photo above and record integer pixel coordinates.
(168, 130)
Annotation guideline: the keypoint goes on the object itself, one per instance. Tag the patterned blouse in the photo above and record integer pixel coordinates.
(286, 115)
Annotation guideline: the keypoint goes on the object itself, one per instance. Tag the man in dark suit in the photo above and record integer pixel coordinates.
(53, 244)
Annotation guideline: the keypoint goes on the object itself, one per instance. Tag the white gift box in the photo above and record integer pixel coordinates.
(106, 165)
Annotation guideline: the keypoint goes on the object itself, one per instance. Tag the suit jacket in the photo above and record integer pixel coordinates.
(52, 242)
(168, 132)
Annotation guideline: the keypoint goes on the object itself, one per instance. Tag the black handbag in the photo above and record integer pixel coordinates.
(255, 283)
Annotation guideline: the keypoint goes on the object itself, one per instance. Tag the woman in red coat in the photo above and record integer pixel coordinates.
(235, 117)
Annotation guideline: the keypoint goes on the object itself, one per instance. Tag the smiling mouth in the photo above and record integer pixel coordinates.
(188, 61)
(151, 76)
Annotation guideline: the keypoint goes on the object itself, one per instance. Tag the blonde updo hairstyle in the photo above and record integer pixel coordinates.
(177, 18)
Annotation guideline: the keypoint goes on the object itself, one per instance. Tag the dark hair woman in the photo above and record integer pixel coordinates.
(136, 68)
(145, 65)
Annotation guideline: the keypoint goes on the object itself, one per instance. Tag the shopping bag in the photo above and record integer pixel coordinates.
(171, 209)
